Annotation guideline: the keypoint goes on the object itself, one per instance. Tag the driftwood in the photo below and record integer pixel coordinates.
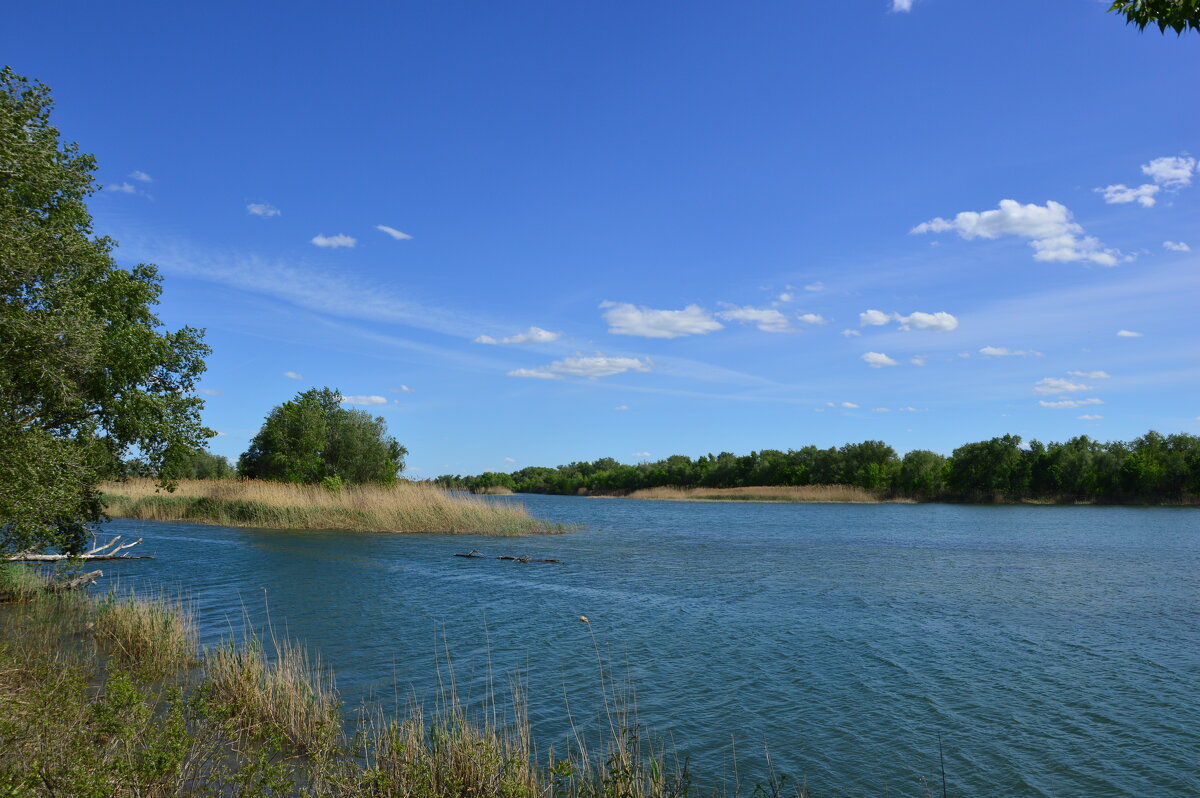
(95, 553)
(474, 553)
(76, 582)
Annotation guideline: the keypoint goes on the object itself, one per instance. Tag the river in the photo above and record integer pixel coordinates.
(1055, 650)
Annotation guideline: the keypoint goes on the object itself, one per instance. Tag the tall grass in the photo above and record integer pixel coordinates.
(768, 493)
(152, 635)
(21, 583)
(404, 507)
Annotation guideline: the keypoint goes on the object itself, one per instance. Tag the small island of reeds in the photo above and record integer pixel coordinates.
(401, 507)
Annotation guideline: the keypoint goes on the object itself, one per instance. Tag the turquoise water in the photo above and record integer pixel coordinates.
(1055, 649)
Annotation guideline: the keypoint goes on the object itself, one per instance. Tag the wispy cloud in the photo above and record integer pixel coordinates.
(1049, 228)
(534, 335)
(1004, 351)
(811, 318)
(641, 454)
(1059, 385)
(817, 286)
(621, 408)
(140, 176)
(366, 401)
(626, 319)
(264, 209)
(123, 188)
(1121, 194)
(902, 6)
(333, 242)
(765, 319)
(850, 333)
(210, 392)
(291, 375)
(393, 232)
(1176, 246)
(402, 389)
(1091, 375)
(1069, 404)
(510, 459)
(589, 366)
(1170, 173)
(1090, 417)
(877, 360)
(1128, 334)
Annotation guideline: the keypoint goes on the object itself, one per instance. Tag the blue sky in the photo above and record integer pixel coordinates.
(528, 233)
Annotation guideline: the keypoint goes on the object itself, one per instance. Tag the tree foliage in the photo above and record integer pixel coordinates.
(313, 437)
(1178, 15)
(1153, 468)
(86, 370)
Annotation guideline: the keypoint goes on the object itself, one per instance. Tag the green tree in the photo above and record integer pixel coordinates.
(1178, 15)
(86, 371)
(313, 437)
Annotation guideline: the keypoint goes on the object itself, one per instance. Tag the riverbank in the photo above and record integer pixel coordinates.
(404, 507)
(112, 696)
(837, 494)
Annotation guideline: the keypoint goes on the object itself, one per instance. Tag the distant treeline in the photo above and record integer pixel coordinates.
(1152, 469)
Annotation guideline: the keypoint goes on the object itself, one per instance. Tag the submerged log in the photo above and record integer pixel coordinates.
(475, 553)
(95, 553)
(76, 582)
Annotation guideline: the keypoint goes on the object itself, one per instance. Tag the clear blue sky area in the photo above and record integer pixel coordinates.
(528, 233)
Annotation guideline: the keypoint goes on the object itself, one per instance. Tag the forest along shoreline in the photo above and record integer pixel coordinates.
(1154, 469)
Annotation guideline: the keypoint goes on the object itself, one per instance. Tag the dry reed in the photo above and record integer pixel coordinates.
(404, 507)
(768, 493)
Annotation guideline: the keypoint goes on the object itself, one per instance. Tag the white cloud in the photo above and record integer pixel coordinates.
(333, 242)
(1174, 172)
(909, 409)
(850, 333)
(402, 389)
(877, 360)
(874, 318)
(262, 209)
(881, 409)
(124, 188)
(1004, 351)
(593, 366)
(621, 408)
(902, 6)
(765, 319)
(140, 176)
(817, 286)
(1121, 194)
(1052, 233)
(1090, 417)
(1128, 334)
(534, 335)
(626, 319)
(1059, 385)
(917, 361)
(364, 400)
(811, 318)
(535, 374)
(291, 375)
(1091, 375)
(1069, 404)
(1176, 246)
(938, 322)
(210, 392)
(785, 297)
(509, 460)
(850, 405)
(393, 232)
(641, 454)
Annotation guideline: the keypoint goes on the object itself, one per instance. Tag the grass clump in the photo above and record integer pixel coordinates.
(767, 493)
(21, 583)
(403, 507)
(153, 636)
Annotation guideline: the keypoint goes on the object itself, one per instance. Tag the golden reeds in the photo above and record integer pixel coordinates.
(403, 507)
(152, 635)
(768, 493)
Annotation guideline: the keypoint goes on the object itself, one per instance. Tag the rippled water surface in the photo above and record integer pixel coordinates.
(1055, 649)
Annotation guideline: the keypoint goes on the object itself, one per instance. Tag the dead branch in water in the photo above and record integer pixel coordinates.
(95, 553)
(476, 553)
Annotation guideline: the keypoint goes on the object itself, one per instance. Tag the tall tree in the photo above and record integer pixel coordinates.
(313, 437)
(86, 370)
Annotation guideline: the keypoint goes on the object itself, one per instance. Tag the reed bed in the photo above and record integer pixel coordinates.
(151, 635)
(21, 583)
(769, 493)
(404, 507)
